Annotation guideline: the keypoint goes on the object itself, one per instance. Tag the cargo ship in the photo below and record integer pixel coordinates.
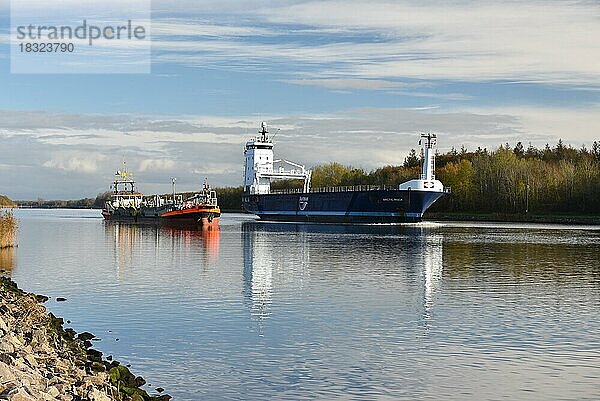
(366, 204)
(126, 204)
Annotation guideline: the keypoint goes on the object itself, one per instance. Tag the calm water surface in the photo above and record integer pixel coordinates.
(274, 311)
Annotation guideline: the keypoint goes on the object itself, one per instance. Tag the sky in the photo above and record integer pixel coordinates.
(353, 81)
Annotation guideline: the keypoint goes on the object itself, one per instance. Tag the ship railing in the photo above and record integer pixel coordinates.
(349, 188)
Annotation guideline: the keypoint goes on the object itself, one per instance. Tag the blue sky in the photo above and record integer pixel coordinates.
(350, 81)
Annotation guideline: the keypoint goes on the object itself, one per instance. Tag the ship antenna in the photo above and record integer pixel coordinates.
(263, 131)
(275, 134)
(430, 139)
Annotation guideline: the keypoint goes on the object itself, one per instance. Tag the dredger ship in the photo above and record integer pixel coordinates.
(126, 204)
(354, 204)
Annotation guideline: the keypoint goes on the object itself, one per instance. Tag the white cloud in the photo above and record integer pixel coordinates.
(350, 83)
(537, 41)
(540, 41)
(574, 125)
(180, 27)
(360, 44)
(157, 165)
(87, 163)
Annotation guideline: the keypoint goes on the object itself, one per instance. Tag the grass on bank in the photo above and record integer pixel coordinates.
(8, 230)
(6, 202)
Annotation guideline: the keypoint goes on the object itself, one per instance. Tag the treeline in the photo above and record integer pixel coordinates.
(506, 180)
(559, 179)
(230, 198)
(85, 203)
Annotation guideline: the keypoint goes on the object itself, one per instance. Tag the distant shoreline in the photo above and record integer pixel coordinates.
(53, 207)
(515, 218)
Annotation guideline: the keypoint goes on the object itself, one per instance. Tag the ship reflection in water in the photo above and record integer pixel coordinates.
(432, 269)
(129, 240)
(265, 254)
(283, 257)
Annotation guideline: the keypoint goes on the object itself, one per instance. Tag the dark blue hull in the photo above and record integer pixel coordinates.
(367, 207)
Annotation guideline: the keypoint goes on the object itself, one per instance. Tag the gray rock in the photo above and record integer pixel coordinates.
(97, 395)
(6, 374)
(3, 325)
(21, 395)
(53, 391)
(6, 347)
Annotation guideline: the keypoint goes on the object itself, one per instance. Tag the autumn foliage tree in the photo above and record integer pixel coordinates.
(506, 180)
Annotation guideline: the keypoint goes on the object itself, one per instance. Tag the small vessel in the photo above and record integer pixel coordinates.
(126, 204)
(353, 204)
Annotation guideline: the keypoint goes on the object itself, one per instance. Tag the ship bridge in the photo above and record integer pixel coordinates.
(261, 168)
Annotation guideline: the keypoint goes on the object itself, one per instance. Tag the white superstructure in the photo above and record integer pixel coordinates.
(426, 181)
(260, 168)
(125, 194)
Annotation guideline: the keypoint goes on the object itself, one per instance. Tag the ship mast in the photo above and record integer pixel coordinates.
(124, 178)
(263, 132)
(428, 171)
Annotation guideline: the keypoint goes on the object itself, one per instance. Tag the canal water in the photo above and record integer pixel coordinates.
(275, 311)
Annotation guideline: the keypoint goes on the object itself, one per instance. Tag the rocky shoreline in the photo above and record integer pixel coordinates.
(40, 360)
